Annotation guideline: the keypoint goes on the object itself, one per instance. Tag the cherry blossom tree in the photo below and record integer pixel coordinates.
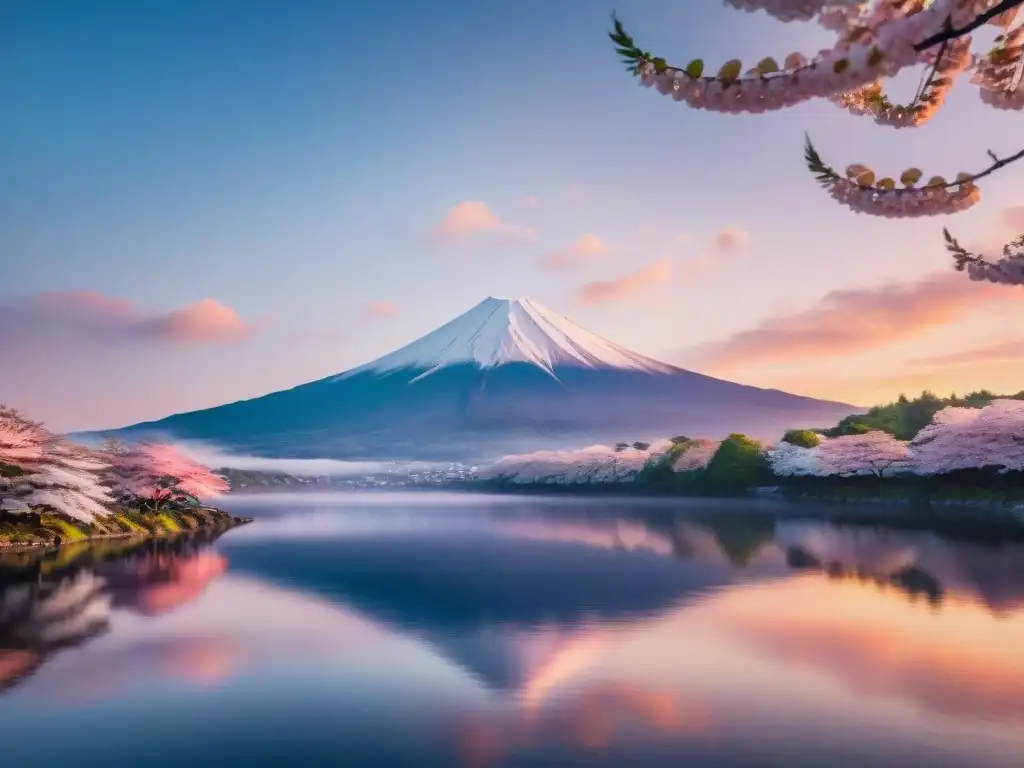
(67, 479)
(22, 441)
(789, 460)
(972, 438)
(870, 452)
(593, 464)
(39, 471)
(155, 475)
(877, 39)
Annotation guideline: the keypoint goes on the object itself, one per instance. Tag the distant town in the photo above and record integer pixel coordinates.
(253, 481)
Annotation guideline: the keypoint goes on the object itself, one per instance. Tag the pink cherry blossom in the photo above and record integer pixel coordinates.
(972, 438)
(67, 479)
(157, 473)
(869, 453)
(21, 441)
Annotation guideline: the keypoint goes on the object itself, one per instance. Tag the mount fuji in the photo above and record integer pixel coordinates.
(507, 376)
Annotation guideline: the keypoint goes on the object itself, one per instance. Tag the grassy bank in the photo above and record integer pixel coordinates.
(45, 530)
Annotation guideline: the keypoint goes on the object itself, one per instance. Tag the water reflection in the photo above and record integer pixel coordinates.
(522, 634)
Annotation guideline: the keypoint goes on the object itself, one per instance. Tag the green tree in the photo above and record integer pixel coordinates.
(738, 464)
(805, 438)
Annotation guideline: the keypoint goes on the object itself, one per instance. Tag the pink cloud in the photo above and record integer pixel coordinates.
(88, 313)
(857, 320)
(205, 322)
(471, 221)
(530, 201)
(730, 240)
(380, 309)
(605, 291)
(584, 251)
(1004, 351)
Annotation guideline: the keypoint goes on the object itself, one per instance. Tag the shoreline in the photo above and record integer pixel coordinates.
(47, 533)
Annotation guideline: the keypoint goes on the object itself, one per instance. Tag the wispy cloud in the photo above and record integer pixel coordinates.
(855, 320)
(379, 310)
(530, 201)
(1012, 350)
(213, 456)
(586, 250)
(602, 292)
(472, 222)
(91, 314)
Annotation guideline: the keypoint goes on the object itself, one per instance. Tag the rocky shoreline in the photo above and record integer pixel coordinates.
(23, 532)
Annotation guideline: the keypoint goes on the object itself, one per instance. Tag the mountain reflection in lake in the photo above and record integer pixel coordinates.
(422, 630)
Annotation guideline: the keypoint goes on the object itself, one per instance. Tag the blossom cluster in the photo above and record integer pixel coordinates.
(870, 100)
(877, 46)
(969, 438)
(598, 463)
(593, 464)
(1008, 269)
(957, 439)
(41, 471)
(797, 10)
(997, 75)
(876, 40)
(934, 199)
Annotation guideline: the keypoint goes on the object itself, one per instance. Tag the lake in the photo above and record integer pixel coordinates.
(434, 629)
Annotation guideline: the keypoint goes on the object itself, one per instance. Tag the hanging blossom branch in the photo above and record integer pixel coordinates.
(1008, 270)
(861, 192)
(876, 41)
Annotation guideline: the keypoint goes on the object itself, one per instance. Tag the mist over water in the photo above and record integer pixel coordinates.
(446, 629)
(213, 456)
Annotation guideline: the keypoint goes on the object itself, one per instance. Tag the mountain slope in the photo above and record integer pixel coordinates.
(506, 376)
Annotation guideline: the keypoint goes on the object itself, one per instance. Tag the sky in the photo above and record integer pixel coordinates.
(208, 201)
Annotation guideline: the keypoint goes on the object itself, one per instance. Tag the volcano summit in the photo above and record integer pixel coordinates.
(507, 376)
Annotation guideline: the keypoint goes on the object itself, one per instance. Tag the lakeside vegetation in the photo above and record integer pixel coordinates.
(927, 450)
(53, 491)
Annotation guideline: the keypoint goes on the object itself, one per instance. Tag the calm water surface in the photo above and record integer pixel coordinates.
(440, 630)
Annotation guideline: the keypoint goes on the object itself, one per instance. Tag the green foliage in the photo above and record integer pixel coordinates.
(168, 523)
(632, 56)
(9, 470)
(679, 439)
(125, 522)
(804, 438)
(738, 464)
(904, 418)
(64, 528)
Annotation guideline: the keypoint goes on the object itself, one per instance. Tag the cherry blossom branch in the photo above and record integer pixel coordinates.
(826, 174)
(951, 32)
(1008, 270)
(861, 192)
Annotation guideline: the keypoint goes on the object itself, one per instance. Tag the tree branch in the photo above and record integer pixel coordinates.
(826, 174)
(951, 33)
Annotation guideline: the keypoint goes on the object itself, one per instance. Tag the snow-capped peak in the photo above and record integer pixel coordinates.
(499, 331)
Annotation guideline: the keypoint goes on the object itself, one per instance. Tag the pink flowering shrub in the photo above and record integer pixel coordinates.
(155, 475)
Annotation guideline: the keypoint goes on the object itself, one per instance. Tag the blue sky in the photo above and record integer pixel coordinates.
(289, 160)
